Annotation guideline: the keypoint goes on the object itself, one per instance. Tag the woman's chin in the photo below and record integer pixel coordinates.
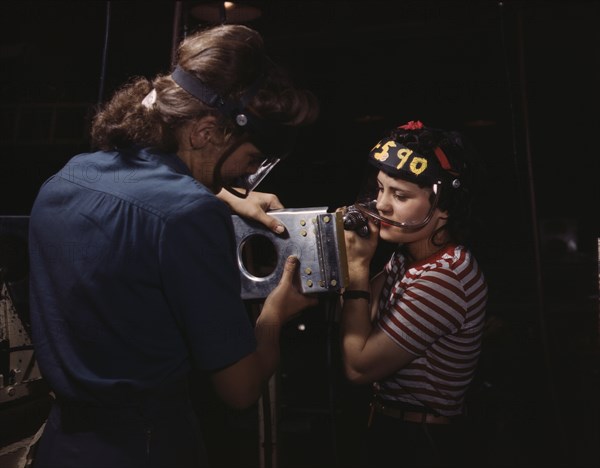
(394, 234)
(388, 233)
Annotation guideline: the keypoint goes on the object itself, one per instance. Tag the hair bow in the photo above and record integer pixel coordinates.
(412, 125)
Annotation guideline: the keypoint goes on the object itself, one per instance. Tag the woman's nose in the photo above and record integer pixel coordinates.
(383, 204)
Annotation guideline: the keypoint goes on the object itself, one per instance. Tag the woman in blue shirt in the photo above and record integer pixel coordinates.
(134, 282)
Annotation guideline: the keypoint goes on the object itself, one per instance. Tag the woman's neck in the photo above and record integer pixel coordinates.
(425, 248)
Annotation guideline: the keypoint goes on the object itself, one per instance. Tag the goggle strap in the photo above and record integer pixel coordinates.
(197, 88)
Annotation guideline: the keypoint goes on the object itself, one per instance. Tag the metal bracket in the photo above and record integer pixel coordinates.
(315, 236)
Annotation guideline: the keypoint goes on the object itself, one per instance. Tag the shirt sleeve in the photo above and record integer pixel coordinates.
(426, 308)
(202, 284)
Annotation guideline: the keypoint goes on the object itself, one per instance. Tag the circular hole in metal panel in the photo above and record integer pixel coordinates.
(258, 256)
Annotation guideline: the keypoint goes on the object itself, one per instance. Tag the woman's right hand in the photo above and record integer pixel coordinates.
(360, 250)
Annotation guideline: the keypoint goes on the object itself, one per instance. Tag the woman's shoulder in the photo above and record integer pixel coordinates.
(451, 259)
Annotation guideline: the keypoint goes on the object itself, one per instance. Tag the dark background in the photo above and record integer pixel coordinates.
(518, 78)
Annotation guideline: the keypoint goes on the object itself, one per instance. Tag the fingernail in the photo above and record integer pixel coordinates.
(279, 229)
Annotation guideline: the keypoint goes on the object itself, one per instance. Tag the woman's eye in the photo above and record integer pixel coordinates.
(399, 196)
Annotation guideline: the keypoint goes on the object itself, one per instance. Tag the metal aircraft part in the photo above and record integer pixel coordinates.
(313, 235)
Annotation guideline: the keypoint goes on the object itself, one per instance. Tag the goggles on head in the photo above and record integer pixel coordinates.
(400, 162)
(274, 140)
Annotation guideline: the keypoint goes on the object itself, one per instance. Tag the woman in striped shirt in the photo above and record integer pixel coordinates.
(414, 330)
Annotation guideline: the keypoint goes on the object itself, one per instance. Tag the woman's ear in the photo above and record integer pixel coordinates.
(442, 216)
(202, 131)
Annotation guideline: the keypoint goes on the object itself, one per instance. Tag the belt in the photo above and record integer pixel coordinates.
(407, 415)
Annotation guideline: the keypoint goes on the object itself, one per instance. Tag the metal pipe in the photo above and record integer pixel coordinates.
(535, 232)
(104, 54)
(175, 38)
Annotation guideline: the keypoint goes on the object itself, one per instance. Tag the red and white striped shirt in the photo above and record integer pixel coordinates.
(435, 309)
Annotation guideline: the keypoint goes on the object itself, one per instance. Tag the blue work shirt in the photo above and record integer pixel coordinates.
(134, 280)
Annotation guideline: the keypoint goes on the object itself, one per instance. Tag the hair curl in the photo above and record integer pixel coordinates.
(228, 59)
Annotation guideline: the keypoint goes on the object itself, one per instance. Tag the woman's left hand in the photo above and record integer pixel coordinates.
(255, 207)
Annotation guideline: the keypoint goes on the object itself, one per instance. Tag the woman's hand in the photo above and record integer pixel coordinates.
(255, 207)
(286, 300)
(360, 250)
